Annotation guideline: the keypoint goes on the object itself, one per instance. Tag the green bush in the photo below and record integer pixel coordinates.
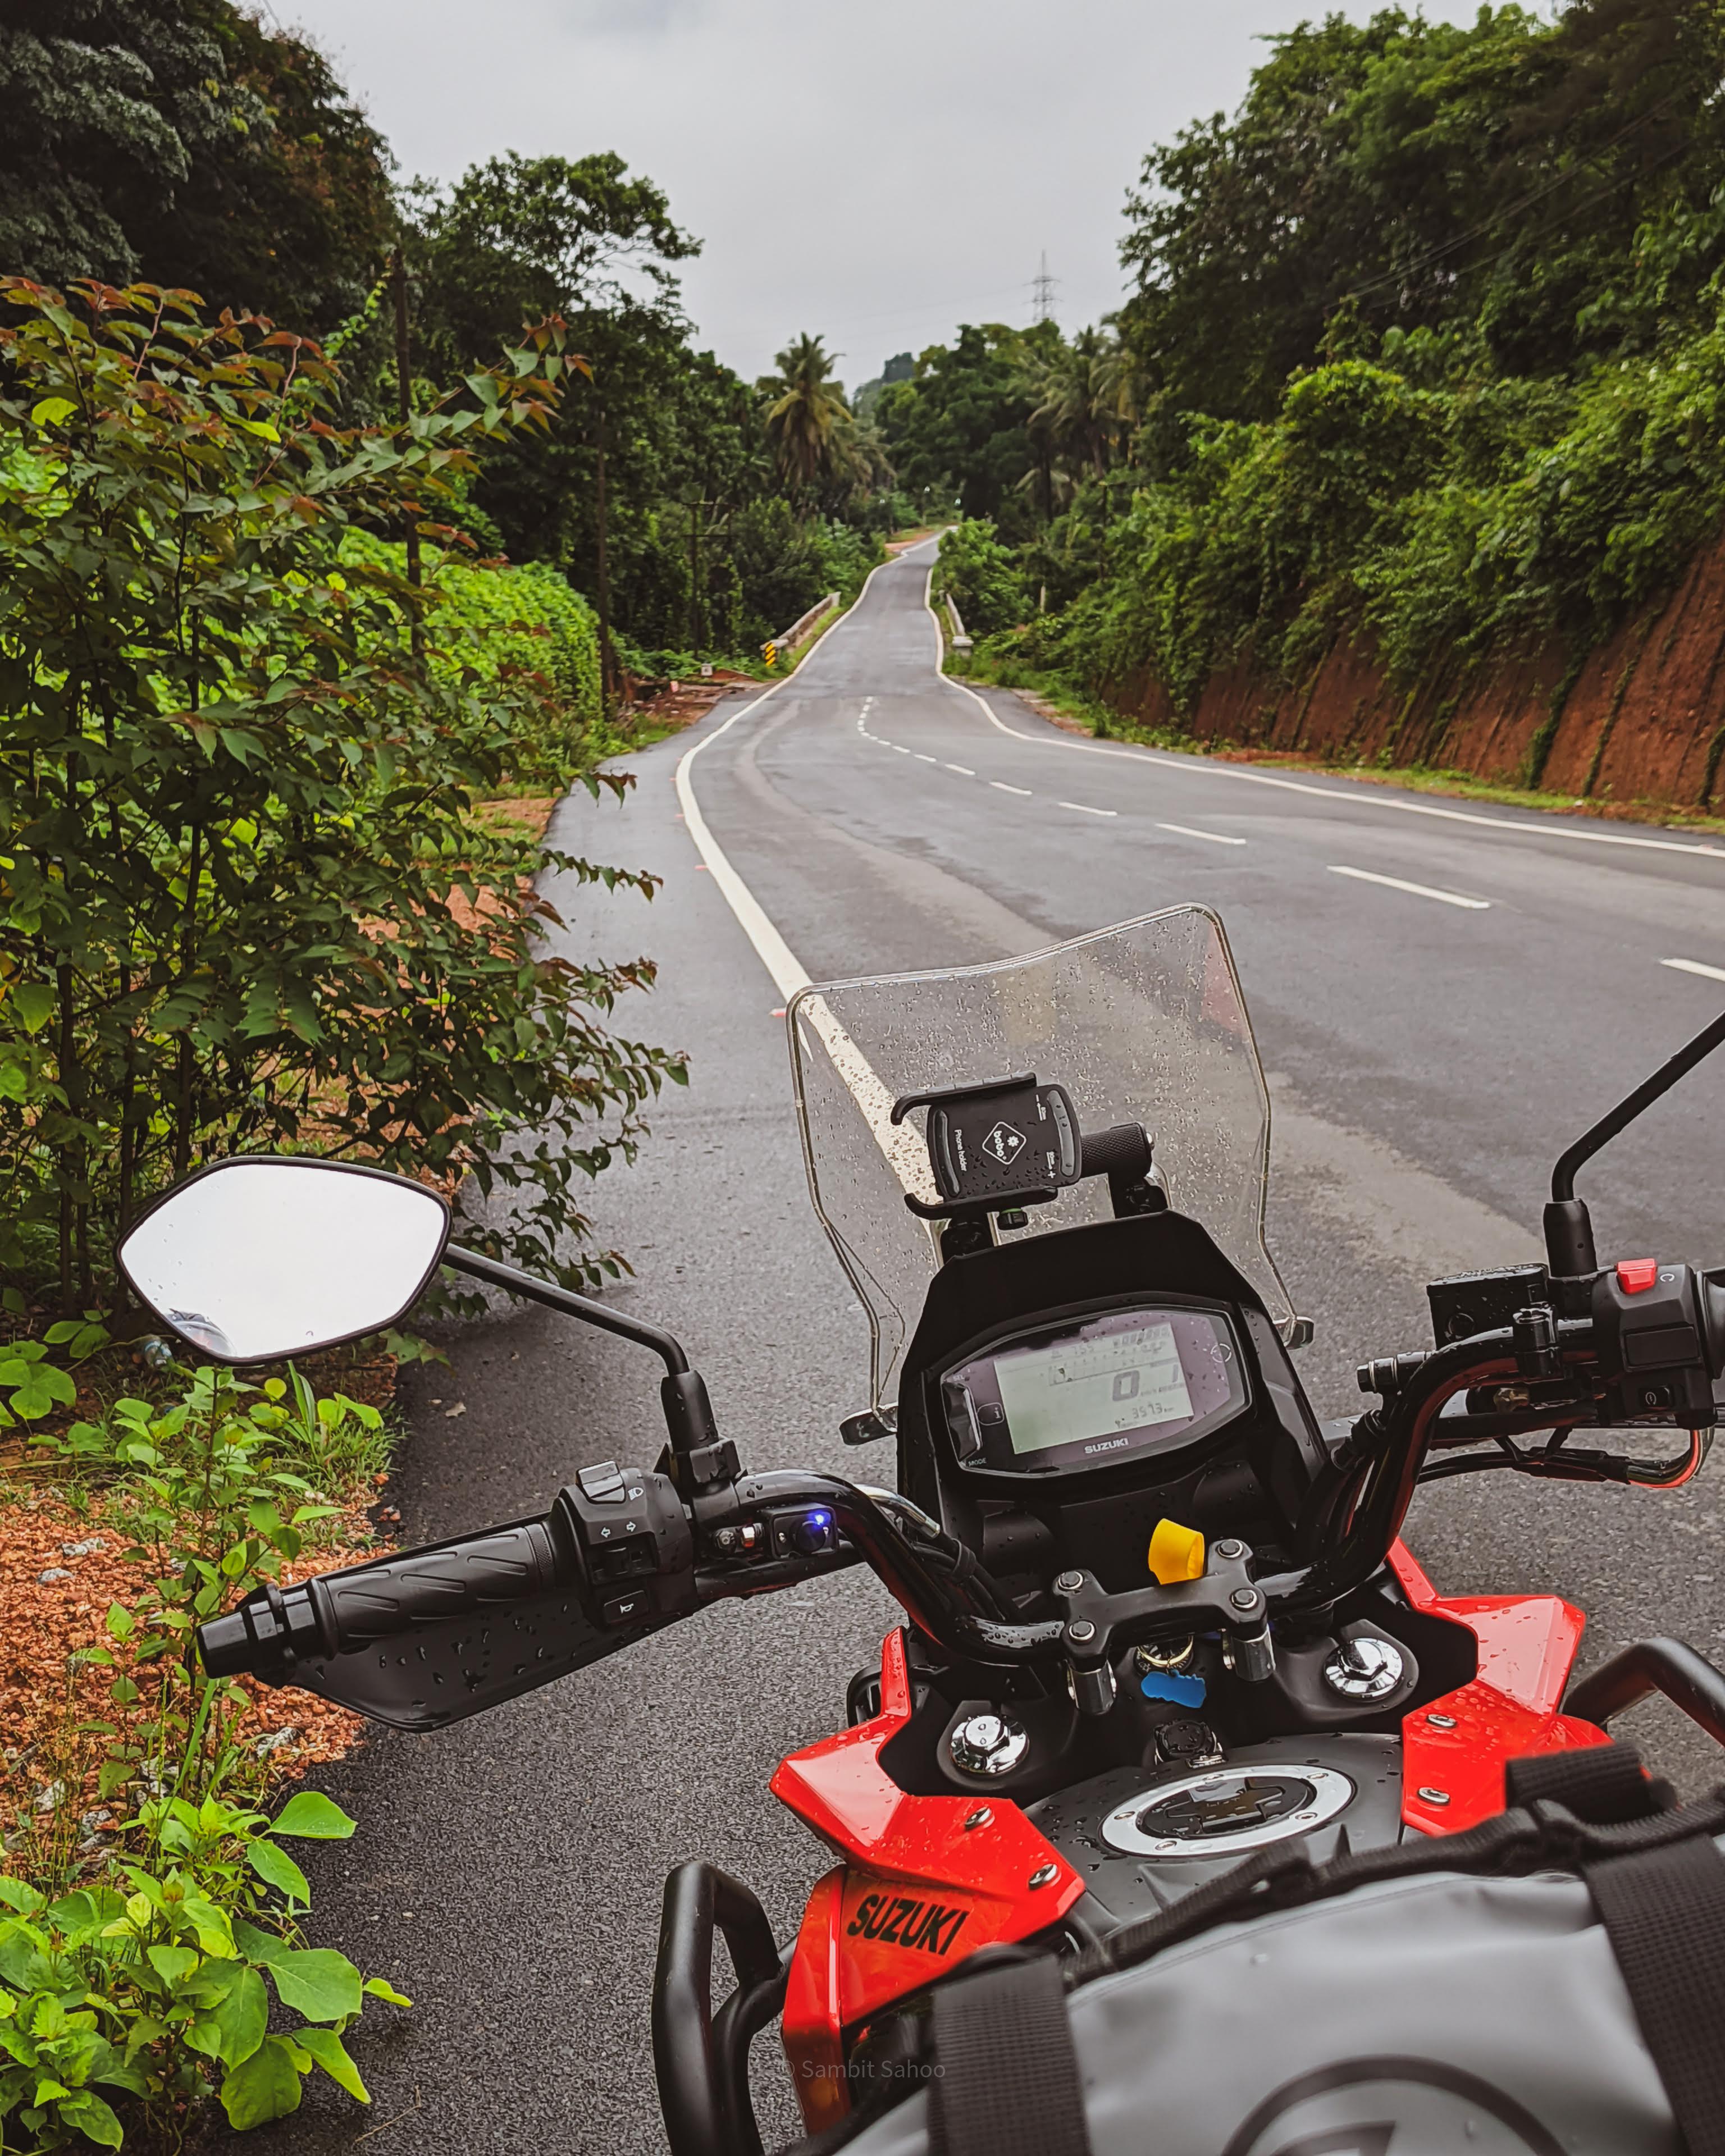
(242, 903)
(158, 1992)
(137, 1972)
(521, 629)
(983, 577)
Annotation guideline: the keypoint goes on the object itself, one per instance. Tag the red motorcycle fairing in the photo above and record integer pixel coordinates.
(1454, 1748)
(925, 1881)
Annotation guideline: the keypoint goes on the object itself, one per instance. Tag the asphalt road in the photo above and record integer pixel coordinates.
(1428, 1059)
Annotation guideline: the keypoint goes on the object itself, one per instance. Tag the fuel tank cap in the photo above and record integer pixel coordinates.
(1228, 1811)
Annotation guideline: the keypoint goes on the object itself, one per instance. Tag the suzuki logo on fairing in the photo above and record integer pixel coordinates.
(1005, 1144)
(899, 1921)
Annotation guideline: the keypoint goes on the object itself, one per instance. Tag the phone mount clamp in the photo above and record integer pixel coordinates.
(994, 1147)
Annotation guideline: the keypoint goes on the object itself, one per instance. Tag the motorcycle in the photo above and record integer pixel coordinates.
(1158, 1617)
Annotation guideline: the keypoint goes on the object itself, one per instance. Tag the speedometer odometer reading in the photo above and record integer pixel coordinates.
(1086, 1390)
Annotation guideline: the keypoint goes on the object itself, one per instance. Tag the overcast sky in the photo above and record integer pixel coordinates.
(874, 174)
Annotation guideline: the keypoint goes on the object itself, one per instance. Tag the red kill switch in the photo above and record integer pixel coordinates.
(1636, 1275)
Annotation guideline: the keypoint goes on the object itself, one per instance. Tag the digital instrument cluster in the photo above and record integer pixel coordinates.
(1088, 1392)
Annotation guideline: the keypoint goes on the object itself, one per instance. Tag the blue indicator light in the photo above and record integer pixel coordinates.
(819, 1519)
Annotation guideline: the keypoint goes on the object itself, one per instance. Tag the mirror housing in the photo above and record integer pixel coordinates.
(265, 1255)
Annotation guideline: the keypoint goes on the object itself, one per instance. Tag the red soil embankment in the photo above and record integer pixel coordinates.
(1642, 719)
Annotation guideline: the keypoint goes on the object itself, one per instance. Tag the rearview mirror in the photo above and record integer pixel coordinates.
(261, 1256)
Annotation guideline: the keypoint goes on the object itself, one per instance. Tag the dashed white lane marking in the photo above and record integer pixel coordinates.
(1084, 808)
(1418, 890)
(921, 758)
(1000, 786)
(1202, 767)
(964, 770)
(902, 751)
(1695, 965)
(1215, 837)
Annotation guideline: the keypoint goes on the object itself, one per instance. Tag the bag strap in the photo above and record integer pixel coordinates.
(1006, 2080)
(1664, 1912)
(1602, 1784)
(1605, 1784)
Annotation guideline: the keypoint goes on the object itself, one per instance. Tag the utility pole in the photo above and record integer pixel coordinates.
(1043, 285)
(696, 509)
(607, 663)
(404, 402)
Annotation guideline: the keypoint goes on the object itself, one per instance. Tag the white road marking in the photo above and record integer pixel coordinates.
(1215, 837)
(1695, 965)
(964, 770)
(904, 1151)
(1359, 797)
(921, 758)
(1084, 808)
(902, 751)
(1001, 787)
(1419, 890)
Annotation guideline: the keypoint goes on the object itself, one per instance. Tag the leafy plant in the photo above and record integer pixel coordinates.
(159, 1992)
(245, 903)
(137, 1965)
(522, 630)
(983, 576)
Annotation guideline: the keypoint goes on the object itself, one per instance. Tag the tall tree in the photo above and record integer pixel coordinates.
(181, 142)
(808, 423)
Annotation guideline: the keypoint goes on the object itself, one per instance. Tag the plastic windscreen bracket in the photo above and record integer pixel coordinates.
(1007, 1143)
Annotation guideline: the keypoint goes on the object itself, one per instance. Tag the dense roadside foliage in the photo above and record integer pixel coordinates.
(242, 903)
(1426, 343)
(184, 141)
(151, 1903)
(724, 517)
(187, 143)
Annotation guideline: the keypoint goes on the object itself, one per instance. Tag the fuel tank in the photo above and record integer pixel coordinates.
(1141, 1838)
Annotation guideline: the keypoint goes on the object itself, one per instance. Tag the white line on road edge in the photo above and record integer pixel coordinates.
(907, 1158)
(1695, 965)
(1084, 808)
(1359, 797)
(1000, 786)
(1215, 837)
(1419, 890)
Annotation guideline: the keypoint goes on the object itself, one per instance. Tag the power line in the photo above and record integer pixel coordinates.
(1404, 270)
(1042, 286)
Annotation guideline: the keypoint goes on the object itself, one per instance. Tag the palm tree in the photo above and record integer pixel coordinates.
(808, 423)
(1078, 390)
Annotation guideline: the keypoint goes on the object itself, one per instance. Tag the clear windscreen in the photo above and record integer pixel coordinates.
(1143, 1023)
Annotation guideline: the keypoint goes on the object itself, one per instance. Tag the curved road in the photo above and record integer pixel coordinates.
(1443, 994)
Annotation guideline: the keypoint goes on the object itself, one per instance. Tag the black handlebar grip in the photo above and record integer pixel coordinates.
(270, 1630)
(482, 1572)
(1124, 1149)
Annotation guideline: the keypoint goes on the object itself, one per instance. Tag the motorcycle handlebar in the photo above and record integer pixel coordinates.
(473, 1576)
(936, 1578)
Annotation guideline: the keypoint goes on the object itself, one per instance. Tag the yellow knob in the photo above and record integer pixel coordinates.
(1176, 1552)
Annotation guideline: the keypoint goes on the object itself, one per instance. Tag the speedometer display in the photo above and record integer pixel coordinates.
(1080, 1394)
(1087, 1388)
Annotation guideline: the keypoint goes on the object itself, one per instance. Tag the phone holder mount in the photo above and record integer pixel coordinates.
(994, 1148)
